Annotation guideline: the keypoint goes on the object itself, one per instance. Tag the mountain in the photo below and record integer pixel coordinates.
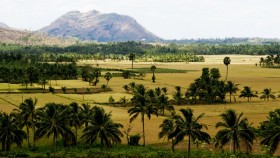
(99, 27)
(2, 25)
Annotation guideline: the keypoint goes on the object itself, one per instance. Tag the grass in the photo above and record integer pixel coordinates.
(245, 74)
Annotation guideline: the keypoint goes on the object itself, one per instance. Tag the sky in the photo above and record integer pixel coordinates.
(168, 19)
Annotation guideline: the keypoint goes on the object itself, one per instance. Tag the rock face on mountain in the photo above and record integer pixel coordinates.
(100, 27)
(4, 26)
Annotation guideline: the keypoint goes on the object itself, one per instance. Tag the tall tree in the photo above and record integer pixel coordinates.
(270, 131)
(102, 128)
(53, 121)
(266, 94)
(236, 129)
(167, 128)
(75, 117)
(188, 125)
(27, 115)
(247, 92)
(108, 77)
(131, 57)
(10, 132)
(227, 62)
(231, 88)
(153, 68)
(141, 107)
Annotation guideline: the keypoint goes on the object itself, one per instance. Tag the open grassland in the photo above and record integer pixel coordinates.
(242, 70)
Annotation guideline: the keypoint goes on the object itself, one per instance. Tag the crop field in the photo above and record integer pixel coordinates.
(242, 70)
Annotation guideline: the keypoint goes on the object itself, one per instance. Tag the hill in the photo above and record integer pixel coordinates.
(99, 27)
(25, 37)
(3, 25)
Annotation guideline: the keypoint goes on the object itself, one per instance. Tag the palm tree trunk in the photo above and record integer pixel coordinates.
(3, 145)
(27, 131)
(230, 97)
(143, 125)
(54, 143)
(34, 139)
(189, 147)
(173, 148)
(76, 135)
(227, 73)
(132, 64)
(163, 111)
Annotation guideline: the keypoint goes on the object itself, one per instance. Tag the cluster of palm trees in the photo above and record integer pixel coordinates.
(270, 61)
(61, 122)
(235, 130)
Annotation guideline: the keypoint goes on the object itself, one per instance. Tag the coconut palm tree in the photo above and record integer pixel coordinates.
(10, 132)
(248, 93)
(131, 57)
(108, 77)
(266, 94)
(163, 104)
(102, 128)
(231, 88)
(270, 131)
(141, 107)
(167, 127)
(153, 68)
(53, 120)
(178, 96)
(27, 117)
(236, 129)
(188, 125)
(75, 117)
(87, 113)
(227, 62)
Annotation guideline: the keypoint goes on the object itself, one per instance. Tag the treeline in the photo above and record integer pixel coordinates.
(37, 73)
(120, 51)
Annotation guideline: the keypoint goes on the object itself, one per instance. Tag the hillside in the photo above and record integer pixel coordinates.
(99, 27)
(3, 25)
(31, 38)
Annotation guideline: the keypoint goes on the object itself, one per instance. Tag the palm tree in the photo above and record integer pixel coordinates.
(227, 62)
(87, 113)
(53, 120)
(235, 129)
(163, 104)
(270, 131)
(262, 61)
(108, 77)
(248, 93)
(178, 96)
(102, 128)
(10, 132)
(75, 118)
(131, 57)
(141, 107)
(266, 94)
(188, 125)
(27, 117)
(153, 68)
(231, 88)
(167, 127)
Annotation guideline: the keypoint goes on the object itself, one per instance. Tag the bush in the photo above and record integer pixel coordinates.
(111, 99)
(51, 89)
(64, 89)
(134, 139)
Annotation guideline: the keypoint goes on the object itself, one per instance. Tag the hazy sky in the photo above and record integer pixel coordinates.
(169, 19)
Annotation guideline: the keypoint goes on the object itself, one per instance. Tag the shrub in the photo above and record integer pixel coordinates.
(111, 99)
(51, 89)
(134, 139)
(64, 89)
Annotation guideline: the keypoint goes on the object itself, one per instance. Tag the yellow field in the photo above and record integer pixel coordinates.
(242, 70)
